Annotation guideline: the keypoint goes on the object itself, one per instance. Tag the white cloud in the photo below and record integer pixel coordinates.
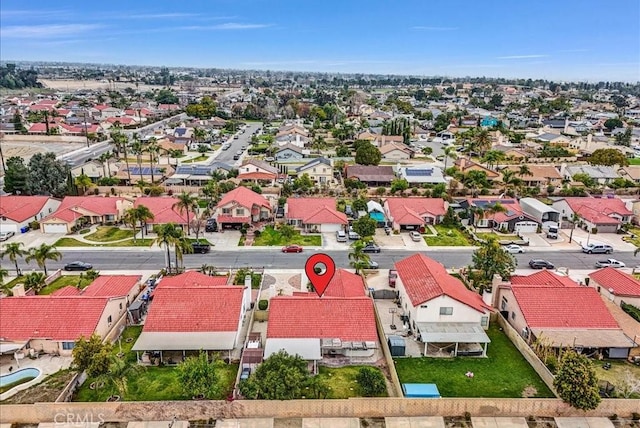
(163, 15)
(224, 27)
(522, 56)
(426, 28)
(46, 31)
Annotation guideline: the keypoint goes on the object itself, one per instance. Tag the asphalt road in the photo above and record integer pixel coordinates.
(151, 260)
(243, 139)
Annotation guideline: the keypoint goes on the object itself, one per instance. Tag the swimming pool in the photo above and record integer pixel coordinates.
(19, 375)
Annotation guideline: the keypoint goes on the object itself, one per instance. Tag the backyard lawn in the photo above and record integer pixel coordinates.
(109, 234)
(504, 374)
(64, 281)
(447, 237)
(617, 372)
(272, 237)
(342, 381)
(151, 383)
(72, 242)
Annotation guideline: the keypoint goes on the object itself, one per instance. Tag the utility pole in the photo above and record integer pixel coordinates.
(4, 167)
(86, 133)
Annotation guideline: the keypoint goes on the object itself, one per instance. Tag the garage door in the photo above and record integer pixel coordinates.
(4, 227)
(328, 227)
(55, 228)
(526, 227)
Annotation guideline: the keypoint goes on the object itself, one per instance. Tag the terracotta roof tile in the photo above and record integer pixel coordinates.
(163, 210)
(598, 210)
(192, 279)
(21, 208)
(411, 211)
(70, 206)
(622, 283)
(315, 211)
(111, 285)
(244, 197)
(543, 278)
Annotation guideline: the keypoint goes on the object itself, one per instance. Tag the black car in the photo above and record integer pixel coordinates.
(211, 226)
(77, 266)
(540, 264)
(371, 248)
(201, 247)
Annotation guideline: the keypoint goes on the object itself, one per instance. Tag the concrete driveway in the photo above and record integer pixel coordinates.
(34, 238)
(583, 237)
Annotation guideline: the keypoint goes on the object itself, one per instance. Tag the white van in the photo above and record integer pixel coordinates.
(341, 236)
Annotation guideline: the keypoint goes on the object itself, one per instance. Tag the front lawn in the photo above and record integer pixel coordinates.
(109, 234)
(447, 237)
(200, 158)
(273, 237)
(342, 381)
(504, 374)
(498, 236)
(64, 281)
(634, 161)
(634, 237)
(72, 242)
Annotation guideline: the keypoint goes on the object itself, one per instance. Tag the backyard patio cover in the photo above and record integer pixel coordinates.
(8, 347)
(587, 338)
(452, 332)
(185, 341)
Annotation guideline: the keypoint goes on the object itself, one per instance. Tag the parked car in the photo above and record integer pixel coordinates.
(269, 159)
(341, 236)
(246, 372)
(211, 225)
(201, 247)
(393, 277)
(552, 233)
(540, 264)
(371, 248)
(610, 262)
(6, 235)
(77, 266)
(292, 249)
(236, 157)
(514, 249)
(280, 212)
(348, 211)
(372, 265)
(597, 249)
(353, 235)
(415, 236)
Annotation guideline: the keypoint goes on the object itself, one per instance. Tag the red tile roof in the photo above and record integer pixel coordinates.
(52, 317)
(425, 279)
(112, 285)
(315, 211)
(244, 197)
(192, 279)
(622, 283)
(195, 309)
(344, 284)
(163, 210)
(598, 210)
(21, 208)
(544, 277)
(563, 307)
(348, 319)
(411, 211)
(98, 205)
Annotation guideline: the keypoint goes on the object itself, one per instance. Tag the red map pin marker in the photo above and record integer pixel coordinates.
(321, 280)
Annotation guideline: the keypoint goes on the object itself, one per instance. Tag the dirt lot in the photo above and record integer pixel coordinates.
(74, 85)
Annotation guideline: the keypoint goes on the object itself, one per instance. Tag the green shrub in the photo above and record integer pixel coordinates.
(34, 225)
(631, 310)
(263, 304)
(372, 381)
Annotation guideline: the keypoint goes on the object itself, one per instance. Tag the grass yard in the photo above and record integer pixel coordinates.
(447, 237)
(72, 242)
(498, 236)
(64, 281)
(634, 238)
(504, 374)
(272, 237)
(200, 158)
(617, 372)
(14, 282)
(342, 381)
(634, 161)
(109, 234)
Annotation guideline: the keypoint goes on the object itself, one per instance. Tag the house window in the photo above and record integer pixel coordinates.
(120, 306)
(109, 320)
(67, 346)
(110, 217)
(503, 304)
(484, 321)
(423, 306)
(446, 310)
(240, 211)
(226, 211)
(513, 315)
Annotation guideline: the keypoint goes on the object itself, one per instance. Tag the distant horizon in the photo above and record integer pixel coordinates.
(568, 41)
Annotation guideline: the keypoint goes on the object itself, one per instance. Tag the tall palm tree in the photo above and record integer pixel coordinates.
(182, 246)
(167, 234)
(137, 149)
(130, 218)
(35, 281)
(186, 203)
(482, 141)
(358, 258)
(492, 157)
(4, 273)
(104, 158)
(449, 152)
(14, 251)
(574, 220)
(153, 149)
(43, 253)
(121, 142)
(200, 134)
(143, 215)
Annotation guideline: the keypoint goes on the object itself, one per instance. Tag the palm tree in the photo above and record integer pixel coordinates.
(104, 159)
(482, 140)
(574, 220)
(14, 251)
(153, 149)
(200, 134)
(83, 182)
(130, 218)
(182, 246)
(35, 281)
(4, 273)
(492, 157)
(494, 209)
(475, 179)
(43, 253)
(167, 234)
(524, 170)
(449, 152)
(121, 142)
(186, 203)
(143, 215)
(137, 149)
(358, 258)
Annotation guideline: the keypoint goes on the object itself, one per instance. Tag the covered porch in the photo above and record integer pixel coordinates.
(453, 339)
(154, 348)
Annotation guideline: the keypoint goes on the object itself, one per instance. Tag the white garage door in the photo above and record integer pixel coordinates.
(5, 227)
(55, 228)
(526, 227)
(331, 227)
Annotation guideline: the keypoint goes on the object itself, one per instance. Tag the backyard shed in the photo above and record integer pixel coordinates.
(420, 390)
(396, 346)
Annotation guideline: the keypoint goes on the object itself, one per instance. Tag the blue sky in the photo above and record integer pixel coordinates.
(553, 39)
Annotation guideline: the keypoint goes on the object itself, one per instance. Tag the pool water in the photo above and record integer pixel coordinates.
(19, 375)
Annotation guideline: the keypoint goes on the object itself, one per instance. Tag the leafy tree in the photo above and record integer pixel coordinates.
(35, 281)
(205, 109)
(186, 203)
(286, 231)
(608, 157)
(166, 96)
(279, 377)
(343, 151)
(576, 381)
(450, 218)
(612, 124)
(85, 350)
(427, 150)
(372, 381)
(303, 182)
(399, 185)
(16, 176)
(83, 182)
(359, 204)
(13, 251)
(585, 179)
(368, 154)
(365, 226)
(43, 253)
(491, 259)
(198, 376)
(47, 175)
(624, 138)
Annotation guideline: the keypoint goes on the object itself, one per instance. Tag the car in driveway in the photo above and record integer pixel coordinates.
(371, 248)
(78, 266)
(610, 263)
(597, 249)
(6, 235)
(292, 249)
(372, 265)
(246, 372)
(513, 249)
(540, 264)
(415, 236)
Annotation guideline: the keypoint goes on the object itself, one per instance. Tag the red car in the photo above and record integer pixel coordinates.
(292, 249)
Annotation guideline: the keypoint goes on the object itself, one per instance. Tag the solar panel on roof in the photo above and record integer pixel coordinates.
(419, 172)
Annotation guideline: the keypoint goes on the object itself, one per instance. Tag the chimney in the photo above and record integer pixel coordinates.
(18, 290)
(247, 291)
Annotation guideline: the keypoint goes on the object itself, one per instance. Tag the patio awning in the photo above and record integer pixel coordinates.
(308, 349)
(452, 332)
(9, 347)
(586, 338)
(185, 341)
